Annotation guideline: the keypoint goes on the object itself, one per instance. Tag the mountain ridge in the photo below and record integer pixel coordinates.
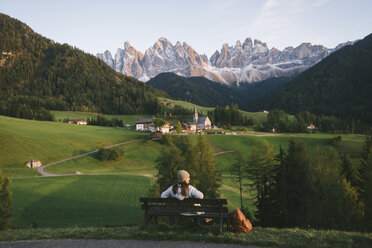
(250, 61)
(339, 85)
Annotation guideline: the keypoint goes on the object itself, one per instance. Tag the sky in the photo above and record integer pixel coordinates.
(96, 26)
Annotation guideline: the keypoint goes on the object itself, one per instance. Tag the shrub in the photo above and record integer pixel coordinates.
(112, 154)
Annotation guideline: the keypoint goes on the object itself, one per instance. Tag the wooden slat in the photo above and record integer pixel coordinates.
(185, 208)
(185, 201)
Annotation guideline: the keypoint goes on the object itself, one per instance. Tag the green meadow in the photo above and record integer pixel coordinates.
(101, 198)
(127, 119)
(24, 140)
(260, 116)
(69, 201)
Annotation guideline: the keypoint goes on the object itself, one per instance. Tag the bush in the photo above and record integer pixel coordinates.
(112, 154)
(335, 141)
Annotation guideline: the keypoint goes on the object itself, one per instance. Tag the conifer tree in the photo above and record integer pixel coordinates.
(6, 201)
(209, 178)
(168, 163)
(237, 170)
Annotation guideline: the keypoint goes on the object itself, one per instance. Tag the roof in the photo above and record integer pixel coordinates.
(140, 121)
(202, 119)
(76, 120)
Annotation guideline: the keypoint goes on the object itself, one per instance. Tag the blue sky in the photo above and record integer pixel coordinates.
(96, 26)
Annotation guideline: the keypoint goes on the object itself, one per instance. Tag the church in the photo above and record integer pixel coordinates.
(201, 122)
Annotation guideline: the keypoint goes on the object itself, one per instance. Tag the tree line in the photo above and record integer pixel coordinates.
(229, 116)
(281, 122)
(318, 189)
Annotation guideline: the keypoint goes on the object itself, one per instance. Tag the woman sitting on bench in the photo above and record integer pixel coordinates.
(182, 189)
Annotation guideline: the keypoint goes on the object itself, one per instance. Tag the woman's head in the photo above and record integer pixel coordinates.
(183, 176)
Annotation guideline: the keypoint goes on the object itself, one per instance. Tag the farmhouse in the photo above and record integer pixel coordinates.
(143, 124)
(77, 121)
(34, 164)
(201, 122)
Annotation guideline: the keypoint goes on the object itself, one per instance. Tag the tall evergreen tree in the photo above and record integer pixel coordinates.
(168, 164)
(6, 201)
(209, 178)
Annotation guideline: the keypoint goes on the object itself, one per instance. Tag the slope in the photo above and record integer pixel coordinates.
(339, 85)
(37, 73)
(202, 91)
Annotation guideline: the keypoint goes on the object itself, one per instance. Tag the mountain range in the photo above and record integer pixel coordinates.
(250, 61)
(339, 85)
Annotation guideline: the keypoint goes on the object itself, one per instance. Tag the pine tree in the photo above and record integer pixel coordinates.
(6, 201)
(209, 179)
(168, 164)
(237, 170)
(179, 127)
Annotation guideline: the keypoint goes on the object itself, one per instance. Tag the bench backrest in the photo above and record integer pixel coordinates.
(171, 206)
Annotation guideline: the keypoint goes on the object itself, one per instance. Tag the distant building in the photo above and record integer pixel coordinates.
(311, 126)
(77, 121)
(34, 164)
(143, 124)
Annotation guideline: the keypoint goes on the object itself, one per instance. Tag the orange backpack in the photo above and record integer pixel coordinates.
(239, 222)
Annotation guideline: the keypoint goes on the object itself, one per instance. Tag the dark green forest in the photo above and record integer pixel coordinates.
(204, 92)
(339, 85)
(37, 74)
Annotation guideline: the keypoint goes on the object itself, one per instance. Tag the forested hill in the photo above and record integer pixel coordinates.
(38, 74)
(340, 85)
(202, 91)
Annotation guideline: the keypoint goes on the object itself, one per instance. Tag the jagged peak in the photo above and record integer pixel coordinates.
(258, 42)
(238, 43)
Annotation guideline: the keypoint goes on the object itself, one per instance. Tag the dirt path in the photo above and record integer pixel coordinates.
(46, 174)
(224, 152)
(113, 244)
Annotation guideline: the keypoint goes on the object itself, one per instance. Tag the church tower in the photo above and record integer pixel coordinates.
(195, 117)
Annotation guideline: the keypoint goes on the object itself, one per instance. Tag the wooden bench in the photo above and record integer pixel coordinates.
(188, 208)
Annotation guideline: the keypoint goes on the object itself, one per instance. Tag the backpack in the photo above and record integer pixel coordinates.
(239, 222)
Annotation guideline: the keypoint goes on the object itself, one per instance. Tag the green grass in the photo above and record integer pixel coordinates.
(260, 116)
(127, 119)
(139, 159)
(24, 140)
(68, 201)
(262, 237)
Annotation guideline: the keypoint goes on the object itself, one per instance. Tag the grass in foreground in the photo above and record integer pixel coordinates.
(266, 237)
(105, 200)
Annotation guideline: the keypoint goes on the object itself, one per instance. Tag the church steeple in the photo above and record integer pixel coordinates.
(195, 117)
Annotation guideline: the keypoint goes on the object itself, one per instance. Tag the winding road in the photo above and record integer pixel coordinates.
(46, 174)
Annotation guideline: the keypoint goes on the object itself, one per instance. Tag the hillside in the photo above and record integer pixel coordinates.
(205, 92)
(38, 74)
(339, 85)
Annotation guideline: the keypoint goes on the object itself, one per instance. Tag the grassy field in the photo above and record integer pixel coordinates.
(24, 140)
(69, 201)
(139, 159)
(62, 197)
(127, 119)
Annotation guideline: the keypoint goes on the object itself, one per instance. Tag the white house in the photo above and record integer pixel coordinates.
(143, 124)
(34, 164)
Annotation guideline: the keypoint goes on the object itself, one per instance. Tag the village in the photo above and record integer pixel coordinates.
(198, 125)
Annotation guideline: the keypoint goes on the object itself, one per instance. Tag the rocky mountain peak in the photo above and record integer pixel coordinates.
(244, 62)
